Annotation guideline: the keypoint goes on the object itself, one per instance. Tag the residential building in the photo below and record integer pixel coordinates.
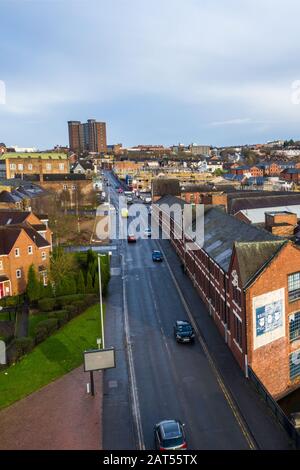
(25, 240)
(17, 165)
(89, 136)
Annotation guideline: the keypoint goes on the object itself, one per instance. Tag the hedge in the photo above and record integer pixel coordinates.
(68, 299)
(46, 305)
(45, 328)
(23, 345)
(62, 316)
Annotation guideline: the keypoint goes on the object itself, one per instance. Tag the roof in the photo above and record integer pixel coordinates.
(257, 216)
(259, 199)
(3, 278)
(222, 231)
(34, 155)
(10, 234)
(13, 217)
(252, 257)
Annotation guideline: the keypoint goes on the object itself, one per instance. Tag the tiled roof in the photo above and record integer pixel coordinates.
(222, 231)
(13, 217)
(264, 199)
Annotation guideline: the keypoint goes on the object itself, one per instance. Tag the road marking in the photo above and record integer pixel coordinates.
(132, 378)
(221, 383)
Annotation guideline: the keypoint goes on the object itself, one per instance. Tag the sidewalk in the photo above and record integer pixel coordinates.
(267, 432)
(60, 416)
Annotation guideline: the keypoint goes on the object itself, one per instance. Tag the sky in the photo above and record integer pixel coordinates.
(156, 71)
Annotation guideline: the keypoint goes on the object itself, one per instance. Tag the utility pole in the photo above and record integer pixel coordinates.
(100, 298)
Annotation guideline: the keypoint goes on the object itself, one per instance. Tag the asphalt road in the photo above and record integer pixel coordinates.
(171, 380)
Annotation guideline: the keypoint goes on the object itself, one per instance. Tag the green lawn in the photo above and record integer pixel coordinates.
(56, 356)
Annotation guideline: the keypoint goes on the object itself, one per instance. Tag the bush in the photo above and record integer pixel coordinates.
(90, 299)
(46, 305)
(61, 316)
(80, 305)
(45, 328)
(23, 346)
(72, 311)
(65, 300)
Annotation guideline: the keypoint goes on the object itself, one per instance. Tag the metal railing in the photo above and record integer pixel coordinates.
(278, 413)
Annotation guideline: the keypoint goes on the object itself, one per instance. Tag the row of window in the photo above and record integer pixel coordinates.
(29, 252)
(21, 166)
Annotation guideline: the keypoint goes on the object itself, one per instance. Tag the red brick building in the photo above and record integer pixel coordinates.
(25, 239)
(250, 281)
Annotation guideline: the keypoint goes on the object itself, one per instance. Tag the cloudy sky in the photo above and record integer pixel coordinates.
(157, 71)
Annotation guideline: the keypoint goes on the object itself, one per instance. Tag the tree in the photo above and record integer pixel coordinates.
(33, 285)
(62, 265)
(89, 284)
(80, 283)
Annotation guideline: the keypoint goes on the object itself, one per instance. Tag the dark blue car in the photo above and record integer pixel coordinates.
(157, 255)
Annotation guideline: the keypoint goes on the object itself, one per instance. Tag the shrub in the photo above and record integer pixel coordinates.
(65, 300)
(23, 346)
(47, 304)
(61, 316)
(45, 328)
(80, 305)
(72, 311)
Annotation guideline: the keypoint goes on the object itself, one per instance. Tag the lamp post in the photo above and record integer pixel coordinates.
(100, 297)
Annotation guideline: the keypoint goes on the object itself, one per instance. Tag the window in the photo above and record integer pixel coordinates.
(30, 250)
(61, 166)
(48, 166)
(295, 365)
(294, 286)
(18, 273)
(73, 187)
(294, 321)
(1, 265)
(44, 255)
(30, 166)
(65, 187)
(237, 330)
(20, 167)
(17, 252)
(12, 166)
(237, 296)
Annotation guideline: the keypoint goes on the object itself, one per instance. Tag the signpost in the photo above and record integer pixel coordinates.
(98, 359)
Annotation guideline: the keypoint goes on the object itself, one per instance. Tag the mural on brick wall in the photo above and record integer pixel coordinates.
(268, 318)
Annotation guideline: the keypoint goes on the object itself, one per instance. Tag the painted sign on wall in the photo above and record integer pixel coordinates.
(268, 318)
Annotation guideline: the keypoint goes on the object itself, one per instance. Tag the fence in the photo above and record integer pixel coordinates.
(275, 409)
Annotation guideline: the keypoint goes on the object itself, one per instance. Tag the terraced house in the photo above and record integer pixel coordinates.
(25, 239)
(249, 280)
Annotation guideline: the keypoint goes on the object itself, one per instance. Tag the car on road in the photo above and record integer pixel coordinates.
(169, 435)
(120, 190)
(148, 232)
(184, 332)
(131, 238)
(157, 255)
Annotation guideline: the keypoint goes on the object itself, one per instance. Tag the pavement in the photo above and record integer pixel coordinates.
(60, 416)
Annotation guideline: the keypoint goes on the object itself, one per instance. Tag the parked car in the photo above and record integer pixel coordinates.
(131, 238)
(148, 232)
(184, 332)
(120, 190)
(169, 435)
(157, 255)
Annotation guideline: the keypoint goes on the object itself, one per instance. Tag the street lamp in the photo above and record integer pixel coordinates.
(100, 296)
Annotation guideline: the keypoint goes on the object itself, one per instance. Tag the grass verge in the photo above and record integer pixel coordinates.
(56, 356)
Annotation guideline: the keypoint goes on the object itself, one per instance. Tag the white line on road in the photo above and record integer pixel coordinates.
(132, 378)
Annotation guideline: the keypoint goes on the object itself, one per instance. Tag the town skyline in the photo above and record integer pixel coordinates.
(199, 78)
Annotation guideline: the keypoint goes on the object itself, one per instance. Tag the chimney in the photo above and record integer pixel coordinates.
(281, 223)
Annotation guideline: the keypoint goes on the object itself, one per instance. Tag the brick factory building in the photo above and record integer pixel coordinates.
(249, 280)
